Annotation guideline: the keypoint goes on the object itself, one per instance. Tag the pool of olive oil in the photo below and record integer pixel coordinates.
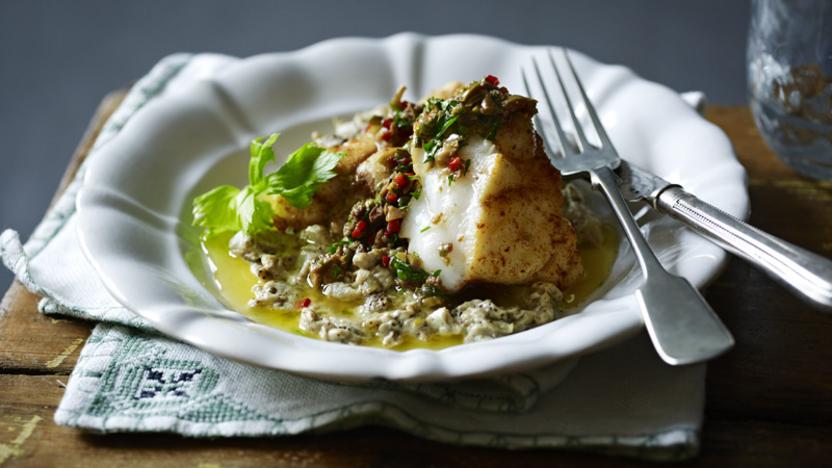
(234, 280)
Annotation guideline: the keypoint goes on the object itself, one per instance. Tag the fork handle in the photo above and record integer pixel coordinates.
(682, 327)
(807, 274)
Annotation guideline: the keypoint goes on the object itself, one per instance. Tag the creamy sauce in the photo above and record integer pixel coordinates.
(234, 280)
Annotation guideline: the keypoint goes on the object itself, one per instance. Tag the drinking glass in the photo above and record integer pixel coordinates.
(790, 81)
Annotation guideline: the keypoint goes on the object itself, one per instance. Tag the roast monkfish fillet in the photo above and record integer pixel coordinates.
(491, 207)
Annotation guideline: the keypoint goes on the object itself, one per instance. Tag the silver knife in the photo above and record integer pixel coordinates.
(807, 274)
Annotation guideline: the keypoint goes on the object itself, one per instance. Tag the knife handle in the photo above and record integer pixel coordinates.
(807, 274)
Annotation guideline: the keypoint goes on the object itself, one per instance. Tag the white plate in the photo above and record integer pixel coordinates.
(135, 226)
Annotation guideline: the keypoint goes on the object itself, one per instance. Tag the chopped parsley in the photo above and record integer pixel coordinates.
(407, 272)
(336, 245)
(442, 116)
(477, 109)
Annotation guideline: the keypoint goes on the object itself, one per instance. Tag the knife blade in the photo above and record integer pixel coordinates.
(806, 274)
(638, 184)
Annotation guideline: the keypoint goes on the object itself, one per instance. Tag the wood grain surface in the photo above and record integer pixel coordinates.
(769, 401)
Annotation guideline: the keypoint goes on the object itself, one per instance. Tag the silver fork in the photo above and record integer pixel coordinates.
(683, 328)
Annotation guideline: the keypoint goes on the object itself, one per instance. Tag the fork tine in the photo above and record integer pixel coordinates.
(578, 129)
(566, 150)
(536, 118)
(596, 121)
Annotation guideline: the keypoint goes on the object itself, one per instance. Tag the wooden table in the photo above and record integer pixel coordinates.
(769, 401)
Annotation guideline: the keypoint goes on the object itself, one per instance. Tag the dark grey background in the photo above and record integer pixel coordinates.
(59, 58)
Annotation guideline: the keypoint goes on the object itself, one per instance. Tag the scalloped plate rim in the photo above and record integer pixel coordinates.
(302, 355)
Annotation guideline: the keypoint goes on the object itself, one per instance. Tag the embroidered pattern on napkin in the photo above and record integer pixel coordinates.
(138, 382)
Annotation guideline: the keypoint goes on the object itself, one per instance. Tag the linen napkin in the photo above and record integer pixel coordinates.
(128, 378)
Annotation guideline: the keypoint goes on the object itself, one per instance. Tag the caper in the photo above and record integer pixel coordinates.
(488, 105)
(473, 95)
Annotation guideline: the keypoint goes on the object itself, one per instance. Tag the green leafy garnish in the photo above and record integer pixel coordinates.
(216, 210)
(446, 125)
(261, 154)
(401, 121)
(227, 208)
(336, 272)
(255, 215)
(444, 115)
(335, 245)
(298, 178)
(434, 290)
(492, 132)
(424, 229)
(407, 272)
